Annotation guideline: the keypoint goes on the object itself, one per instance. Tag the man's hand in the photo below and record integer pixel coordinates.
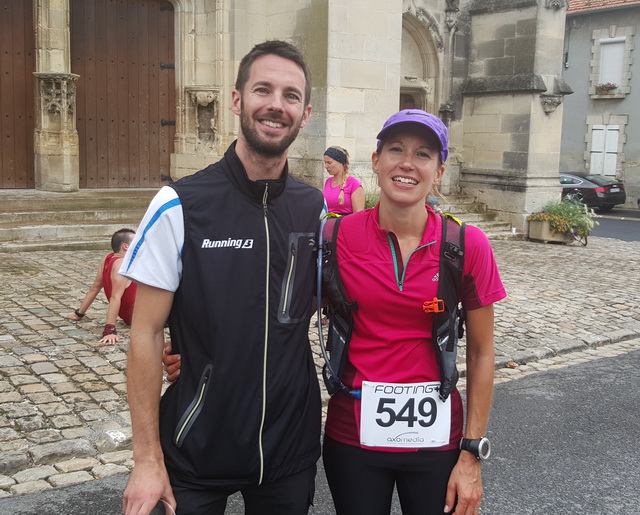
(147, 484)
(170, 362)
(73, 316)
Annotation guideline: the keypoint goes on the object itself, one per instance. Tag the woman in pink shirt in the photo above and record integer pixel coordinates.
(343, 193)
(396, 431)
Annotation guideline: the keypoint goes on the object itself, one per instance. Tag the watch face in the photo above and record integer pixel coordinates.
(484, 449)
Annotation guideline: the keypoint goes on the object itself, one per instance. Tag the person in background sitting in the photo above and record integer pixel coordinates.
(120, 291)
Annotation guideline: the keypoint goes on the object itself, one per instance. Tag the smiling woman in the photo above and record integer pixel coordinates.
(389, 261)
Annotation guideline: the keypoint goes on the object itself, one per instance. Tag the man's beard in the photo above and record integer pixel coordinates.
(265, 147)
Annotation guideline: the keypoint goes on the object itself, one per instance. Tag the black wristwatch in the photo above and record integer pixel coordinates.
(479, 447)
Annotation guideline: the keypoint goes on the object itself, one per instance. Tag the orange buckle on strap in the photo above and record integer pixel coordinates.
(433, 306)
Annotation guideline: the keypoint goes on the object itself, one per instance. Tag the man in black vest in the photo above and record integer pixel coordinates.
(226, 256)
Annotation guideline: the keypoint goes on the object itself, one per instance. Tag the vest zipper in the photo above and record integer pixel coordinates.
(393, 243)
(193, 410)
(288, 285)
(265, 211)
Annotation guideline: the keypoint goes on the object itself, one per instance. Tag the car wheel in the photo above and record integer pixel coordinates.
(605, 208)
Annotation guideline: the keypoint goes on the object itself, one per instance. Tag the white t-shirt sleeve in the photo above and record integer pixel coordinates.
(154, 257)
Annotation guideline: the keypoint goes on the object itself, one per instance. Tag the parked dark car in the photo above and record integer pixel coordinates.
(596, 191)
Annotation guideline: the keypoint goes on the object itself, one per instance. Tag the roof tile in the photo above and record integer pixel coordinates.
(576, 6)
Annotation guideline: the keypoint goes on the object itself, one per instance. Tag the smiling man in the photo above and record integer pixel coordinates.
(226, 256)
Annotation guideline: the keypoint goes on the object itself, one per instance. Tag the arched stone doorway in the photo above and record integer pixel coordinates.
(123, 52)
(420, 67)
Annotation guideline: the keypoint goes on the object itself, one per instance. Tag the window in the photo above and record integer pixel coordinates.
(611, 61)
(606, 135)
(611, 52)
(604, 149)
(565, 179)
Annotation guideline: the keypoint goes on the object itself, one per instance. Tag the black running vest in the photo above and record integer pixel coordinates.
(246, 408)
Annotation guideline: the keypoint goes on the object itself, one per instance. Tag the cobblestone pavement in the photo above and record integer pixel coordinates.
(63, 412)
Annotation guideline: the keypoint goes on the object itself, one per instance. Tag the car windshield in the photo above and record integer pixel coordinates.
(600, 180)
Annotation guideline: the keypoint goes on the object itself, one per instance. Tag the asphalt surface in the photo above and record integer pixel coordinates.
(567, 441)
(64, 420)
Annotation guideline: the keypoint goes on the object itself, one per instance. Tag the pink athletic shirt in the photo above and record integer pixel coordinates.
(391, 339)
(331, 195)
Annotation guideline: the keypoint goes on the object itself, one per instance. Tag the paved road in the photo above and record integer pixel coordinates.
(620, 224)
(565, 441)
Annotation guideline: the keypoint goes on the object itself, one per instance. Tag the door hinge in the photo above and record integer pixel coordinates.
(167, 66)
(164, 122)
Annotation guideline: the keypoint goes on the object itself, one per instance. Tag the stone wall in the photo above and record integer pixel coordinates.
(490, 68)
(513, 106)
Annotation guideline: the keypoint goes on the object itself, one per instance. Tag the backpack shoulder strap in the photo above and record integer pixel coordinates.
(331, 278)
(452, 247)
(340, 313)
(448, 324)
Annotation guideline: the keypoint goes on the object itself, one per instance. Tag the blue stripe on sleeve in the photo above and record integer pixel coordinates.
(165, 207)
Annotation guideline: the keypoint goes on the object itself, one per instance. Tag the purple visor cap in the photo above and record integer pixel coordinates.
(423, 118)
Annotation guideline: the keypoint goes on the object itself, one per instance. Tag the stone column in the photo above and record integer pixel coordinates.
(513, 105)
(56, 138)
(355, 56)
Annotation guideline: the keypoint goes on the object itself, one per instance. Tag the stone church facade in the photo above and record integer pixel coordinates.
(135, 93)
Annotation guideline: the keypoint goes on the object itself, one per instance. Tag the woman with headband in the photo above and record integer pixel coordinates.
(344, 193)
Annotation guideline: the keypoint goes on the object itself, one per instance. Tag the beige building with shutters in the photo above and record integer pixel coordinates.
(135, 93)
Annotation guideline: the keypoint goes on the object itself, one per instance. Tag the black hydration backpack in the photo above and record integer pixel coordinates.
(448, 319)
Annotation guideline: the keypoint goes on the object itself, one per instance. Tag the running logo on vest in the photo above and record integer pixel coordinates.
(230, 242)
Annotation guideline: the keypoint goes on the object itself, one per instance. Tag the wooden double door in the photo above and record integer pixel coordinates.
(123, 51)
(17, 94)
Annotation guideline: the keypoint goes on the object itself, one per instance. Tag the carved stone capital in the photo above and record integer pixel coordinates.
(202, 95)
(556, 4)
(202, 118)
(446, 112)
(57, 101)
(550, 102)
(452, 6)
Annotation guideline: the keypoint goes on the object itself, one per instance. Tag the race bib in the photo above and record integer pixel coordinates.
(404, 415)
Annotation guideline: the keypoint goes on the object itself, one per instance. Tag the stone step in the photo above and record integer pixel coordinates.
(85, 220)
(98, 199)
(471, 217)
(52, 232)
(472, 212)
(29, 218)
(87, 243)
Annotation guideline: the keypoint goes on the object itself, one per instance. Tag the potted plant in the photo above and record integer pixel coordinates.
(605, 87)
(563, 221)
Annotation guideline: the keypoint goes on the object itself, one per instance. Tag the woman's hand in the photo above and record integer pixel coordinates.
(464, 490)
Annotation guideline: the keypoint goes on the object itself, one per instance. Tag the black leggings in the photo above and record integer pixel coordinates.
(361, 480)
(292, 495)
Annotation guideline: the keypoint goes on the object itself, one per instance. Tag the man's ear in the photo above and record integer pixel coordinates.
(236, 100)
(305, 116)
